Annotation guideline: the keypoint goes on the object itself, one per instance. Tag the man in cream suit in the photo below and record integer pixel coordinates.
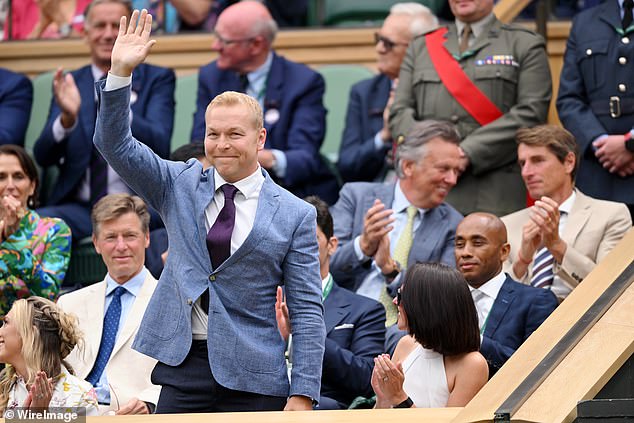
(557, 242)
(121, 375)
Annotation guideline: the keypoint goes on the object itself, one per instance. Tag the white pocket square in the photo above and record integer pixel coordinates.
(344, 326)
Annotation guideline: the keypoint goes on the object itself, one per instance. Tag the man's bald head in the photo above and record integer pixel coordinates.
(481, 247)
(251, 18)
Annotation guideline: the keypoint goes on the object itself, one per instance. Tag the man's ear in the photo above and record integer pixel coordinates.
(570, 162)
(261, 138)
(505, 250)
(333, 243)
(94, 242)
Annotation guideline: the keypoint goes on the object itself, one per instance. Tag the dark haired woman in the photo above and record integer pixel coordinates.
(34, 250)
(438, 364)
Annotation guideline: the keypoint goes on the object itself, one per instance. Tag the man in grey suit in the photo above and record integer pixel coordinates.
(234, 236)
(384, 227)
(557, 242)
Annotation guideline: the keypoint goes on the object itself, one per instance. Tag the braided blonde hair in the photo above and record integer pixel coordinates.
(48, 335)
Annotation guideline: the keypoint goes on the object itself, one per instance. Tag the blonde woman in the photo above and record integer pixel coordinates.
(35, 338)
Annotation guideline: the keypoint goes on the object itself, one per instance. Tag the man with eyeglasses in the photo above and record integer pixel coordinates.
(290, 94)
(489, 79)
(367, 140)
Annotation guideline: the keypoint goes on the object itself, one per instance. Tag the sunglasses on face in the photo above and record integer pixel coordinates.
(387, 43)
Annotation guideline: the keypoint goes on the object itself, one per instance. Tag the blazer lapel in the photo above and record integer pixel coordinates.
(336, 309)
(380, 93)
(500, 306)
(134, 315)
(451, 43)
(610, 13)
(93, 315)
(274, 87)
(484, 39)
(579, 215)
(204, 195)
(88, 114)
(427, 235)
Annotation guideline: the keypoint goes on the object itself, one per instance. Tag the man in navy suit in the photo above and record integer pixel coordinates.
(290, 94)
(355, 327)
(235, 235)
(508, 311)
(66, 141)
(596, 99)
(16, 96)
(366, 141)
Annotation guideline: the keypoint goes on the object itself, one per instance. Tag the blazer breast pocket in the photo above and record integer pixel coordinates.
(342, 334)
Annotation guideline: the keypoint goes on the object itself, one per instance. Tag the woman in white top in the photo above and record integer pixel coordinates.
(35, 337)
(438, 364)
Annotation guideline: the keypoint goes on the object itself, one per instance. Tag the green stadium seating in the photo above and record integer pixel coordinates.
(357, 12)
(185, 97)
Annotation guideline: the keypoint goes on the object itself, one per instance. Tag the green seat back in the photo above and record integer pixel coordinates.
(361, 12)
(185, 97)
(339, 79)
(42, 94)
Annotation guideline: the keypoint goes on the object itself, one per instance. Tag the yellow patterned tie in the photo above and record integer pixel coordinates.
(401, 254)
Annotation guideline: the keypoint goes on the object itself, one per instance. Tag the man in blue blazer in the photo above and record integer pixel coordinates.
(508, 311)
(366, 137)
(355, 327)
(16, 96)
(234, 237)
(596, 100)
(290, 94)
(66, 140)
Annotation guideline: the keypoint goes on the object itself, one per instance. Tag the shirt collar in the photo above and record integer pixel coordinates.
(247, 186)
(324, 281)
(492, 287)
(400, 202)
(476, 27)
(96, 72)
(259, 75)
(133, 286)
(566, 206)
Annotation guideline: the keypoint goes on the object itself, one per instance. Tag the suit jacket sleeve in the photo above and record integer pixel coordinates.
(492, 145)
(350, 369)
(304, 298)
(153, 125)
(572, 102)
(541, 306)
(15, 109)
(305, 134)
(359, 160)
(579, 264)
(344, 264)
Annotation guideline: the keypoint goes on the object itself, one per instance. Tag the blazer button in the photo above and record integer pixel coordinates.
(212, 278)
(189, 301)
(589, 52)
(625, 40)
(622, 88)
(622, 60)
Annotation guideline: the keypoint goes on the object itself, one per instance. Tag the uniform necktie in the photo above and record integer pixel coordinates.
(98, 172)
(401, 255)
(543, 269)
(244, 82)
(108, 336)
(464, 40)
(478, 296)
(627, 13)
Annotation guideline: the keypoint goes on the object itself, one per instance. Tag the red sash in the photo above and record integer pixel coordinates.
(466, 93)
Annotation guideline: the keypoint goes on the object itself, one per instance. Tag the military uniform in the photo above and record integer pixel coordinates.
(596, 94)
(510, 66)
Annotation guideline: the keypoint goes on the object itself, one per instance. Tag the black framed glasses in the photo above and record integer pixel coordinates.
(387, 43)
(228, 41)
(399, 298)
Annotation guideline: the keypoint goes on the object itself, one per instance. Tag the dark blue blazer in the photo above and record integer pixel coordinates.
(591, 74)
(296, 92)
(152, 122)
(16, 96)
(355, 334)
(517, 311)
(359, 160)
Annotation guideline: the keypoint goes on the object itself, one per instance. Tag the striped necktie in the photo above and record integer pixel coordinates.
(543, 269)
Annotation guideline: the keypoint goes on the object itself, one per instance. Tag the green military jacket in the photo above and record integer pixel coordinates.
(509, 65)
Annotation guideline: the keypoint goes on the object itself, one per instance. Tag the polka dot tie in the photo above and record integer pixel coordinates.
(108, 336)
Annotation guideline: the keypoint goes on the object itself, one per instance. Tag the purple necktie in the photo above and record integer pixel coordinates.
(219, 236)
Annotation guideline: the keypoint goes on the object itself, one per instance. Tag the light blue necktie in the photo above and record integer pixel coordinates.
(108, 336)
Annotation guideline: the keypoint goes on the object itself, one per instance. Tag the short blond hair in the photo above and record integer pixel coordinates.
(113, 206)
(233, 98)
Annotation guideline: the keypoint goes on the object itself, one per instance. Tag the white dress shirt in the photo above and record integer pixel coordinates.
(489, 291)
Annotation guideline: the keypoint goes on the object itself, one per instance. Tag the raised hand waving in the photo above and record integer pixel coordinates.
(133, 43)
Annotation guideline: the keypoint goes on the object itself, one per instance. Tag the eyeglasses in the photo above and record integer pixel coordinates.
(387, 43)
(399, 298)
(228, 42)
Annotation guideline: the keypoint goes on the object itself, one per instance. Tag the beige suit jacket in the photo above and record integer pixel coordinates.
(128, 371)
(593, 229)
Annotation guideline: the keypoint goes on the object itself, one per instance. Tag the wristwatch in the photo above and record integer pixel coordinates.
(394, 273)
(629, 142)
(405, 404)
